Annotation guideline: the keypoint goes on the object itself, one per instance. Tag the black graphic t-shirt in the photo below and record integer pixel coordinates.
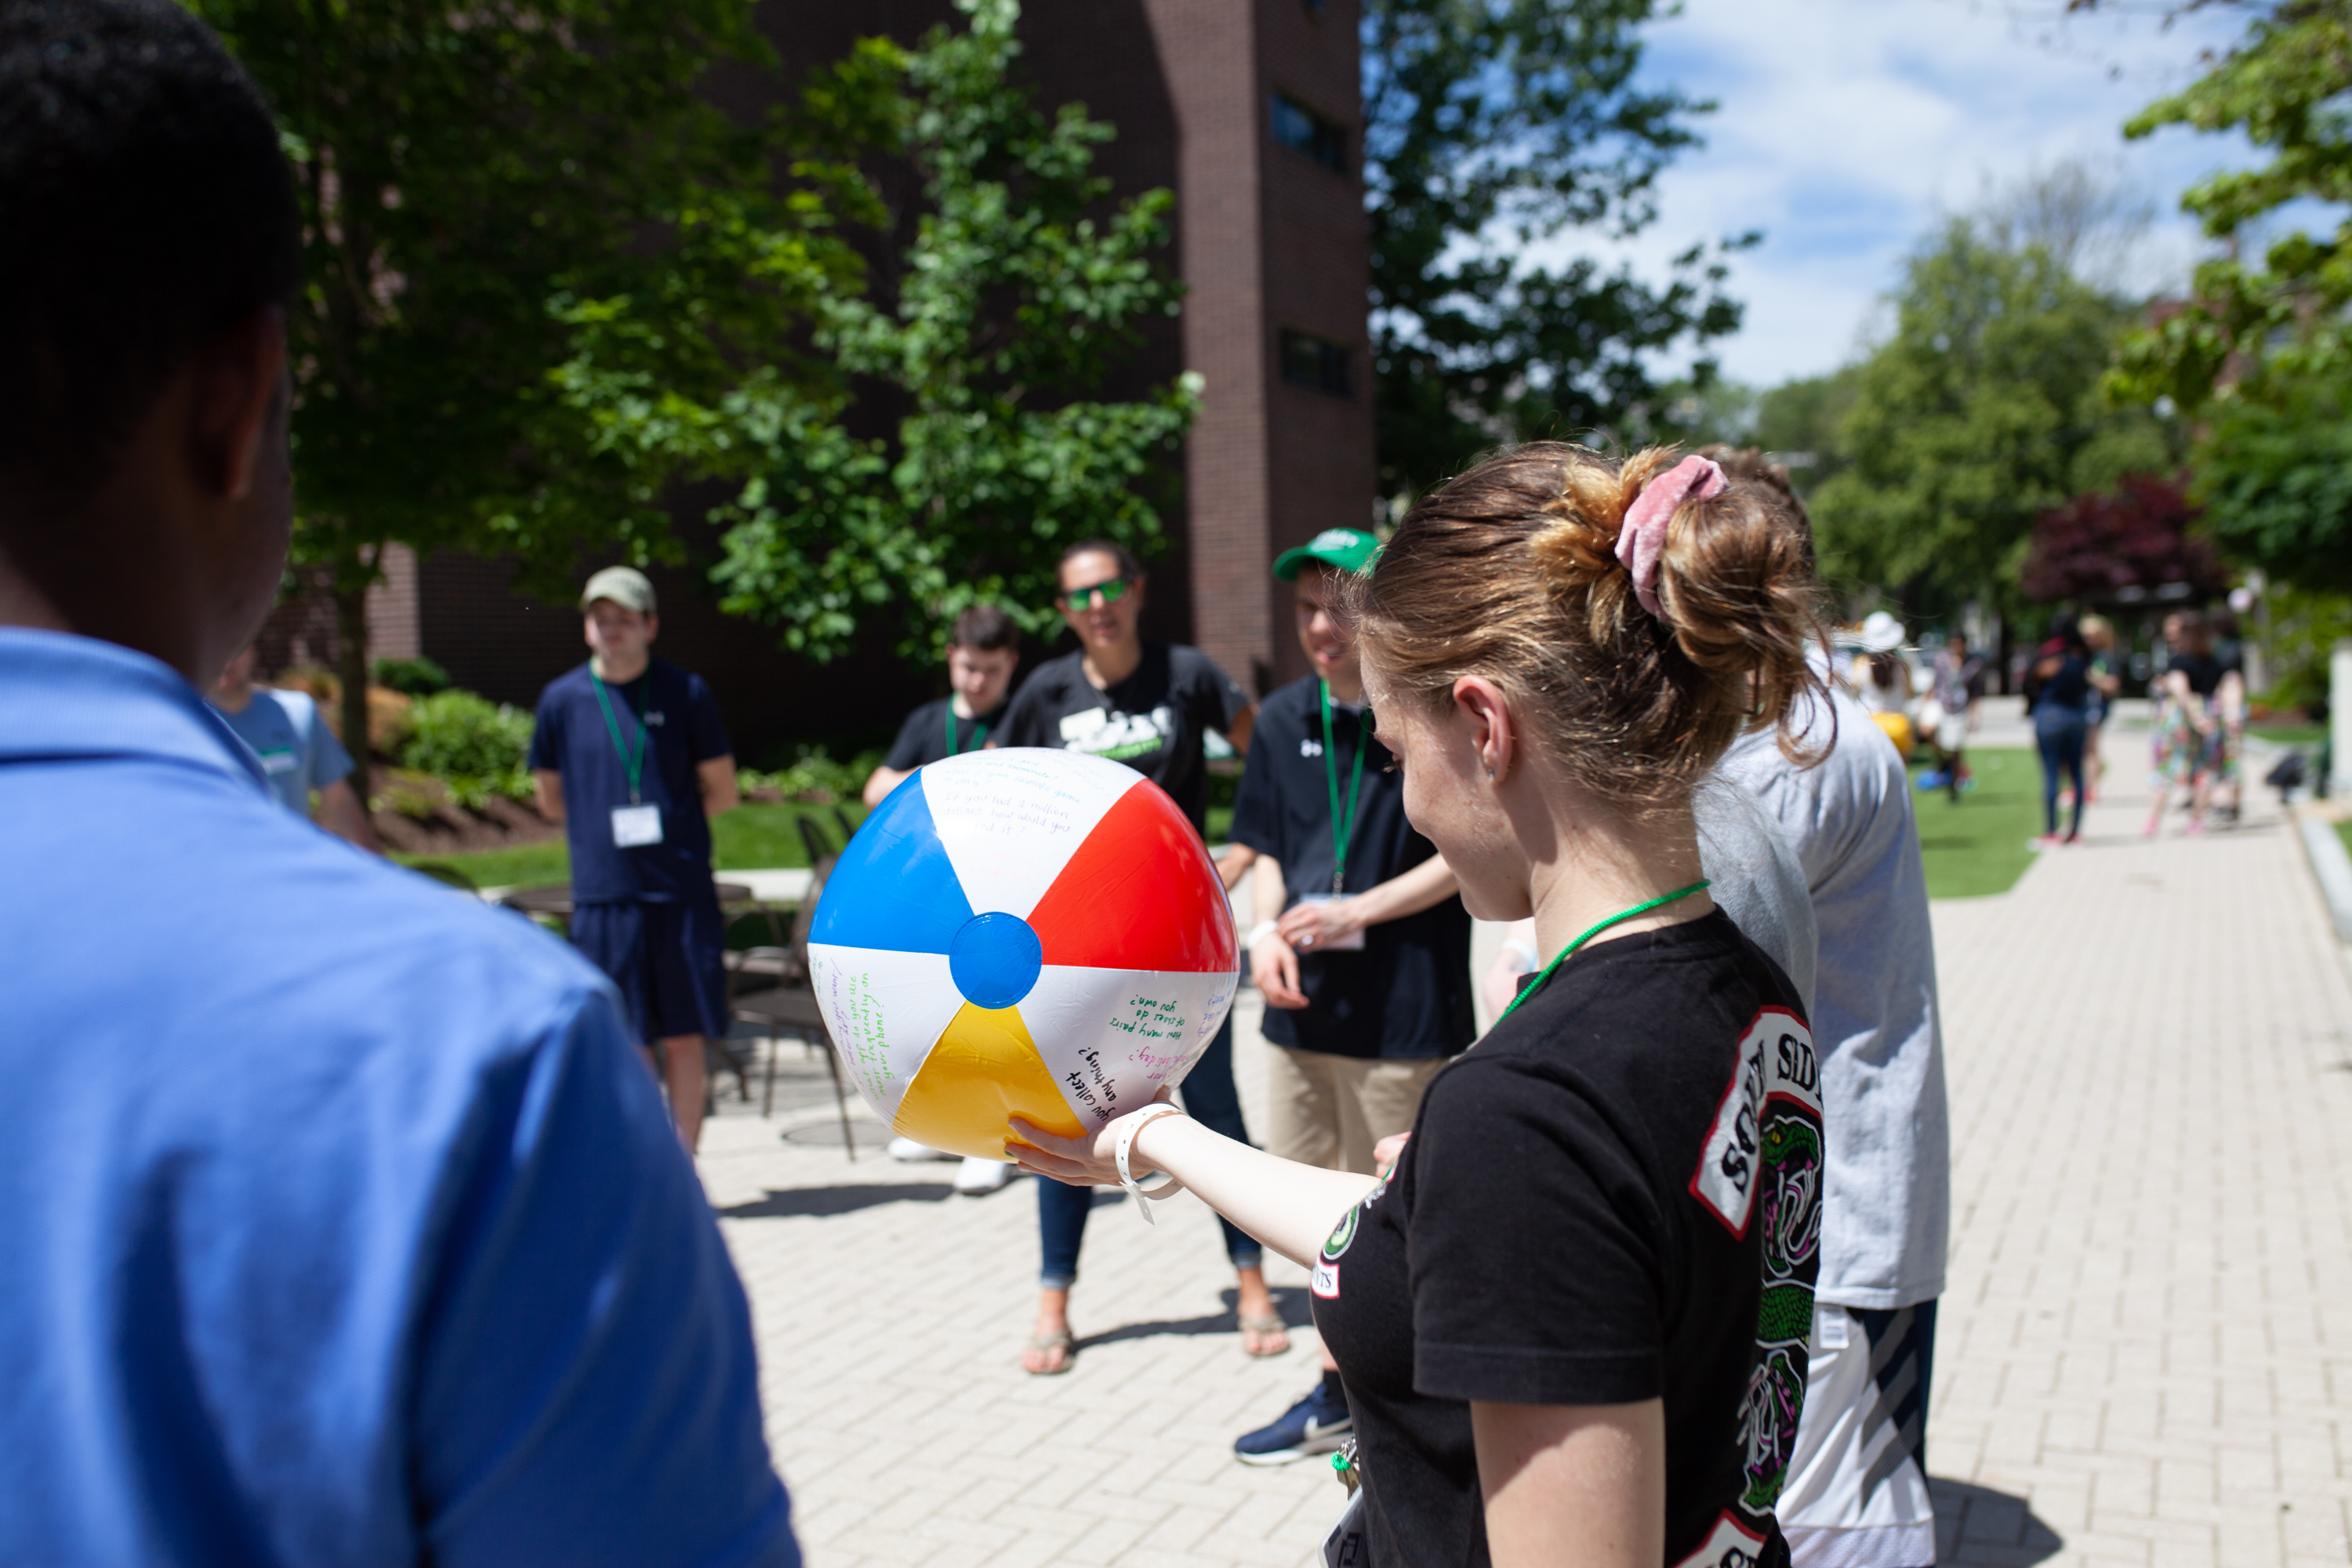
(924, 737)
(1152, 721)
(1614, 1196)
(1406, 993)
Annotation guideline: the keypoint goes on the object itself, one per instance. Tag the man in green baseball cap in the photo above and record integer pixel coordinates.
(1362, 947)
(1345, 549)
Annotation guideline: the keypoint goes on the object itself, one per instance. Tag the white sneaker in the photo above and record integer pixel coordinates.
(981, 1177)
(906, 1149)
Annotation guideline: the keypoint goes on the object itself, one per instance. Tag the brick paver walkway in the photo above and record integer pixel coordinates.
(2142, 1358)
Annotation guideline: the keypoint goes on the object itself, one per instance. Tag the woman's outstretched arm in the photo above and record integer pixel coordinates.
(1287, 1205)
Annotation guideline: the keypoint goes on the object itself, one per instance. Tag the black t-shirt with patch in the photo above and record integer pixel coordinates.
(1153, 721)
(924, 737)
(1615, 1196)
(1406, 994)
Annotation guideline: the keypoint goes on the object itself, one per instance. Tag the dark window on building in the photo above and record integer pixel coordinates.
(1316, 363)
(1300, 128)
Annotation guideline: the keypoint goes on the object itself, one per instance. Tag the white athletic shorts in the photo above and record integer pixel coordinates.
(1856, 1496)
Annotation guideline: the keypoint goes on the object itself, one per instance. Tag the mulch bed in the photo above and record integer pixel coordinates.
(439, 826)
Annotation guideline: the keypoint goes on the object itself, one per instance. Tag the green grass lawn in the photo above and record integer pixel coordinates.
(748, 839)
(2344, 831)
(1977, 844)
(2290, 734)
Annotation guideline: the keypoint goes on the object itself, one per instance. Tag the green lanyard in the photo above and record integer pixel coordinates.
(1342, 827)
(979, 732)
(635, 762)
(1697, 887)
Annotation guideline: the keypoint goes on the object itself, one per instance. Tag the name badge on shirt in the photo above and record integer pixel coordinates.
(278, 760)
(1351, 943)
(635, 826)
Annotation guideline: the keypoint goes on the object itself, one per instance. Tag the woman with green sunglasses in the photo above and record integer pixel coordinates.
(1148, 704)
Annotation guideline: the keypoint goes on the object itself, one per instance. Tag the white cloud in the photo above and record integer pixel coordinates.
(1847, 127)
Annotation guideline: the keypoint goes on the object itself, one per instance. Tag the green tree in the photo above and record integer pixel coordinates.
(458, 169)
(2261, 355)
(1490, 126)
(1800, 420)
(988, 333)
(1980, 409)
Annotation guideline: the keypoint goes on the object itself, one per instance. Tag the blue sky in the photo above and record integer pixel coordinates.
(1846, 128)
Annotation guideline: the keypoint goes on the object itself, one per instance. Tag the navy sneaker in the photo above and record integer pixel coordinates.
(1318, 1423)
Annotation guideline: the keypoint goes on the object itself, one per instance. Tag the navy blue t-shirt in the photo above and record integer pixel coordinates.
(683, 728)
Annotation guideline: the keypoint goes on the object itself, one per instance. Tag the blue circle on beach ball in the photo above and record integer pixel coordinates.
(995, 959)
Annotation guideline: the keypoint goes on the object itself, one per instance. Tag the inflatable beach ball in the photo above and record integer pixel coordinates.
(1025, 931)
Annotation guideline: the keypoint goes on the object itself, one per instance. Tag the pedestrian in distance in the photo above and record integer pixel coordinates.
(299, 755)
(1148, 704)
(2104, 670)
(1881, 678)
(2058, 693)
(1362, 947)
(629, 753)
(983, 650)
(1575, 1311)
(1949, 716)
(350, 1230)
(2194, 696)
(1857, 1482)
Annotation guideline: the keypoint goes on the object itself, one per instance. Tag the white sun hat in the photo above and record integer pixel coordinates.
(1881, 632)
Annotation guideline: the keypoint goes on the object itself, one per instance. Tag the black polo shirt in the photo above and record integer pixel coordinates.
(1407, 994)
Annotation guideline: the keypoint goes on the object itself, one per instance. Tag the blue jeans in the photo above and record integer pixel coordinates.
(2060, 731)
(1211, 1100)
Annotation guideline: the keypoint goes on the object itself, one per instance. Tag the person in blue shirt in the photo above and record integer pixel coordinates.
(629, 753)
(299, 755)
(344, 1226)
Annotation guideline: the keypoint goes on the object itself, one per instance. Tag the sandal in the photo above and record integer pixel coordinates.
(1265, 1327)
(1059, 1340)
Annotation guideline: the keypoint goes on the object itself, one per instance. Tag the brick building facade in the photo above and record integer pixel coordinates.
(1248, 109)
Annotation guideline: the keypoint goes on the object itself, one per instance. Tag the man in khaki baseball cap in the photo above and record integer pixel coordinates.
(629, 753)
(626, 586)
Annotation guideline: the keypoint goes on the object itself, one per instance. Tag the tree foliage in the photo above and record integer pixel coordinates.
(2262, 353)
(990, 328)
(457, 167)
(1492, 126)
(1980, 410)
(2129, 542)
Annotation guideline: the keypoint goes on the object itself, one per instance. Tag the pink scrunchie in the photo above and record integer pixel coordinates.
(1642, 538)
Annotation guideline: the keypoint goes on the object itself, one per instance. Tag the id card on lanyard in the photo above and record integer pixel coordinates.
(638, 823)
(1343, 824)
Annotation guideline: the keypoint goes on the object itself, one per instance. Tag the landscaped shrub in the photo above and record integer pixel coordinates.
(812, 775)
(411, 677)
(474, 745)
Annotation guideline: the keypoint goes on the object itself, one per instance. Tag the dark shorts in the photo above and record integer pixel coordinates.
(665, 959)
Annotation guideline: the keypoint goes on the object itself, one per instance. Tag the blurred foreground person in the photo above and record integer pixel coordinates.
(350, 1230)
(299, 753)
(1857, 1490)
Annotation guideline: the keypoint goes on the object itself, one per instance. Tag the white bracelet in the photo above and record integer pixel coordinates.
(1262, 929)
(1126, 1145)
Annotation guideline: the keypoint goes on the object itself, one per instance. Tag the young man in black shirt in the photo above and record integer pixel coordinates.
(1149, 705)
(983, 650)
(628, 751)
(1361, 948)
